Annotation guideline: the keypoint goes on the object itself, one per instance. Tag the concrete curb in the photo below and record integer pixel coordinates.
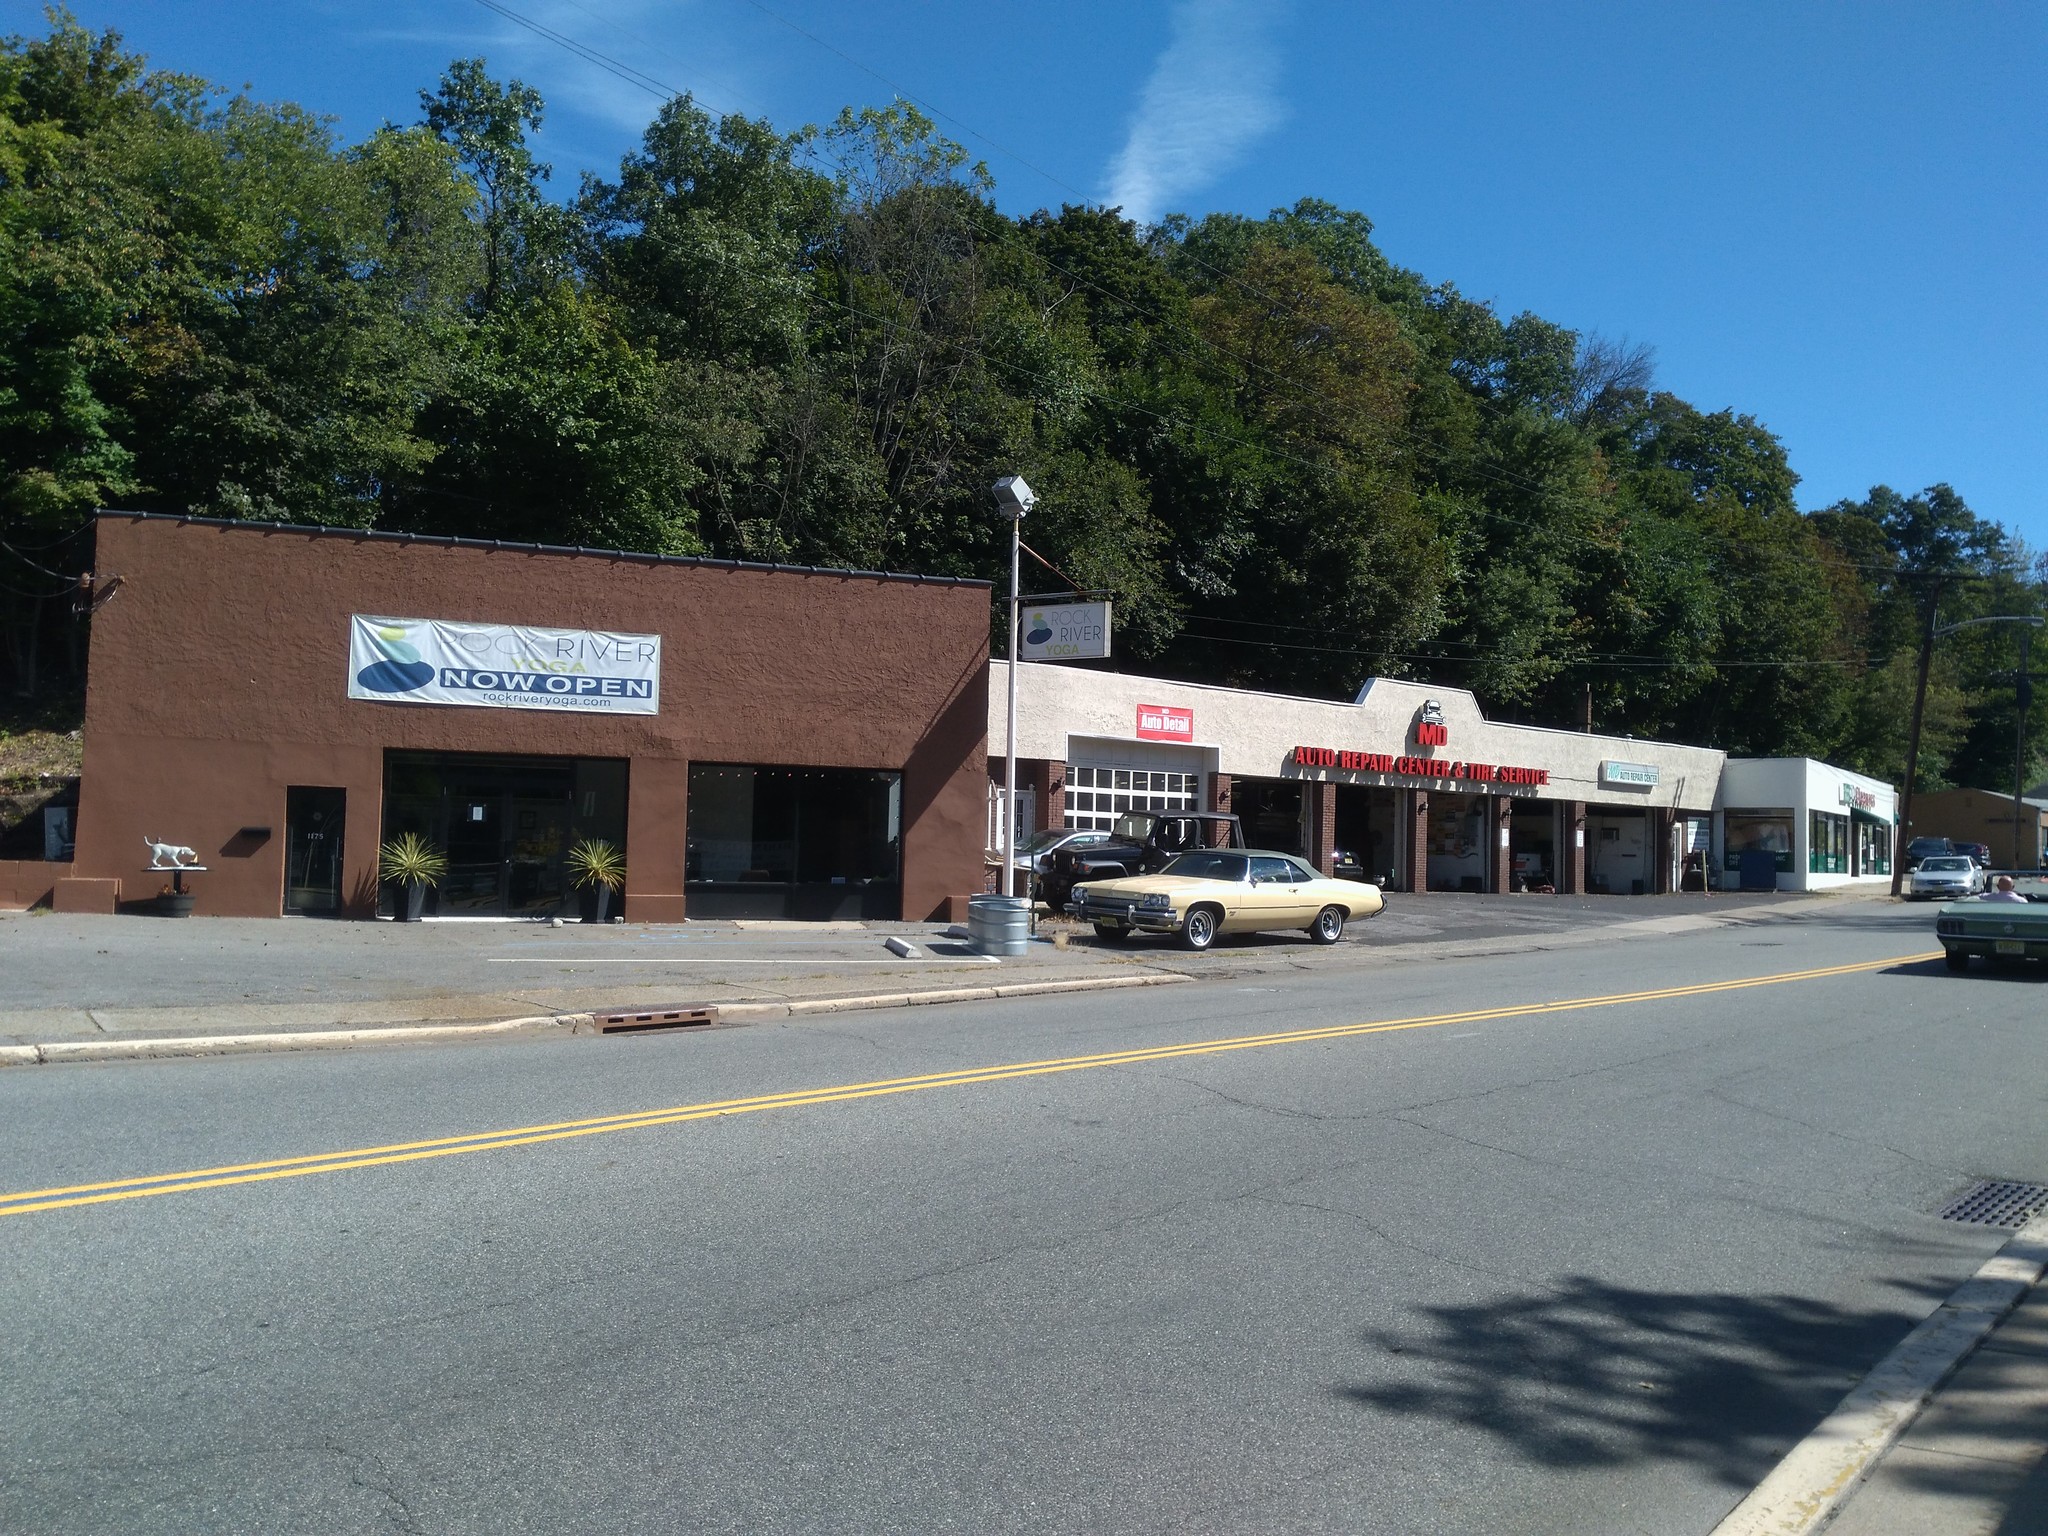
(1809, 1487)
(53, 1052)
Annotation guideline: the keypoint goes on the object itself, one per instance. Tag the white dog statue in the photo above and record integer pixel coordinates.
(170, 855)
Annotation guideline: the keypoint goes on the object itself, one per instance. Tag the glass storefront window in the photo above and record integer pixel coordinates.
(1750, 831)
(805, 843)
(1827, 844)
(505, 823)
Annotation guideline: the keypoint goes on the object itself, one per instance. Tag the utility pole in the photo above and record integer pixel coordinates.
(2023, 689)
(1934, 632)
(1913, 744)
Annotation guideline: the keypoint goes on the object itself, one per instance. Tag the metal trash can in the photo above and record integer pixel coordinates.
(999, 925)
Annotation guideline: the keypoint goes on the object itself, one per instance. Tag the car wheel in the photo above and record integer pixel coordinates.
(1328, 927)
(1055, 898)
(1956, 960)
(1198, 930)
(1111, 933)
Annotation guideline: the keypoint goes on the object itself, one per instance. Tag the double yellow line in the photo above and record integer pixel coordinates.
(27, 1202)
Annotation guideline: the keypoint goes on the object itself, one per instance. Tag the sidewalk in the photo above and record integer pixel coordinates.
(1947, 1435)
(74, 979)
(1972, 1464)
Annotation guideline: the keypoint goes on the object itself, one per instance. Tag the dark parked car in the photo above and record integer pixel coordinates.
(1141, 843)
(1981, 852)
(1926, 848)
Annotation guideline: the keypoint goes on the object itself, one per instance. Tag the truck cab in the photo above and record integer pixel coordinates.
(1140, 843)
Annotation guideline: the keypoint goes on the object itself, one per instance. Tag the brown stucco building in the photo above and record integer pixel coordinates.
(816, 747)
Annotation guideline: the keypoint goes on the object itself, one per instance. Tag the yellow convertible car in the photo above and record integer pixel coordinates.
(1215, 891)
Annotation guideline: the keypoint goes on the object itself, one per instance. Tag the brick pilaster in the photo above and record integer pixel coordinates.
(1417, 871)
(1322, 812)
(1048, 784)
(1219, 798)
(1571, 858)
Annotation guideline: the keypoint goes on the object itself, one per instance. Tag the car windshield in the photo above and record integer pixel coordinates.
(1208, 866)
(1954, 866)
(1038, 842)
(1135, 827)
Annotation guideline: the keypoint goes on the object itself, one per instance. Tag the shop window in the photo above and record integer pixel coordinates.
(1757, 831)
(1827, 844)
(506, 825)
(806, 843)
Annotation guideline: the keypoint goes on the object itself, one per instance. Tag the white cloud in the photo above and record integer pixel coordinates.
(1211, 96)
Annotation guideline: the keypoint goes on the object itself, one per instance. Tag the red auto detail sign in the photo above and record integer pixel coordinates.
(1162, 722)
(1418, 767)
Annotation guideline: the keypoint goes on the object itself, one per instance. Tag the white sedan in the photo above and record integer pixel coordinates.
(1945, 877)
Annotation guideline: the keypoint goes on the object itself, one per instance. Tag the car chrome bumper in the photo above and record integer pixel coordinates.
(1130, 914)
(1996, 949)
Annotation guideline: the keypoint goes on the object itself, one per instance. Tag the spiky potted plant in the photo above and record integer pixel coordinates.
(413, 863)
(599, 867)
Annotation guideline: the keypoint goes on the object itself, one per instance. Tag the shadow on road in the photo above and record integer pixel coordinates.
(1594, 1374)
(1980, 970)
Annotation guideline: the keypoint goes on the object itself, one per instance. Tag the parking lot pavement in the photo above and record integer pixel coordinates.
(68, 977)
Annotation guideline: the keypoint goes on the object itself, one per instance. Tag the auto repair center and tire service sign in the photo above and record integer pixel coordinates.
(503, 666)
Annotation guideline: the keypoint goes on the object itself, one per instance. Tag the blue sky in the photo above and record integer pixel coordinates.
(1829, 216)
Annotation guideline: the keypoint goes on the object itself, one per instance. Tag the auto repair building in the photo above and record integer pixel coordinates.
(760, 741)
(1409, 785)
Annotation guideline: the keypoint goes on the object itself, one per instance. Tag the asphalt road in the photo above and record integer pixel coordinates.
(1506, 1267)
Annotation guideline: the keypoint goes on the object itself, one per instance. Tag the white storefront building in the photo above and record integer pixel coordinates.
(1410, 784)
(1793, 824)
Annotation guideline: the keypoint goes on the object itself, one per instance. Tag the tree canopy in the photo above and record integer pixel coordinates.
(1291, 462)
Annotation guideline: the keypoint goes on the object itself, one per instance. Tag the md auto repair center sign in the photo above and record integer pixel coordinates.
(503, 666)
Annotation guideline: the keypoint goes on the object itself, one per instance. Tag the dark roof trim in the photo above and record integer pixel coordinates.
(450, 541)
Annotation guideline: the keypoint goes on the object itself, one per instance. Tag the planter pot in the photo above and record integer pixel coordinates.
(414, 903)
(600, 904)
(174, 904)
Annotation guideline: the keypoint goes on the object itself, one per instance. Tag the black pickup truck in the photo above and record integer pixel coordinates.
(1139, 843)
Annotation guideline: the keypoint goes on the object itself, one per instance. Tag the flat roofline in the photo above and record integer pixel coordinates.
(1358, 703)
(451, 541)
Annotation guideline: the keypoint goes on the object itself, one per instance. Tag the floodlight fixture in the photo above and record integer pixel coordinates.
(1014, 497)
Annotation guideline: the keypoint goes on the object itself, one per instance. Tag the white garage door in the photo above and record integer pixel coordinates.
(1105, 781)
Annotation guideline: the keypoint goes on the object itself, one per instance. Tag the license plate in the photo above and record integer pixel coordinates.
(2012, 946)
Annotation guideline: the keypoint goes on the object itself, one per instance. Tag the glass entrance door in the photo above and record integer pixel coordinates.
(313, 821)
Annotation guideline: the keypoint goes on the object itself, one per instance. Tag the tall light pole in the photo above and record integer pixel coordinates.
(1015, 498)
(1934, 633)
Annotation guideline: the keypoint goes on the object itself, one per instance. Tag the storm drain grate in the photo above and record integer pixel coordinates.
(1998, 1203)
(631, 1021)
